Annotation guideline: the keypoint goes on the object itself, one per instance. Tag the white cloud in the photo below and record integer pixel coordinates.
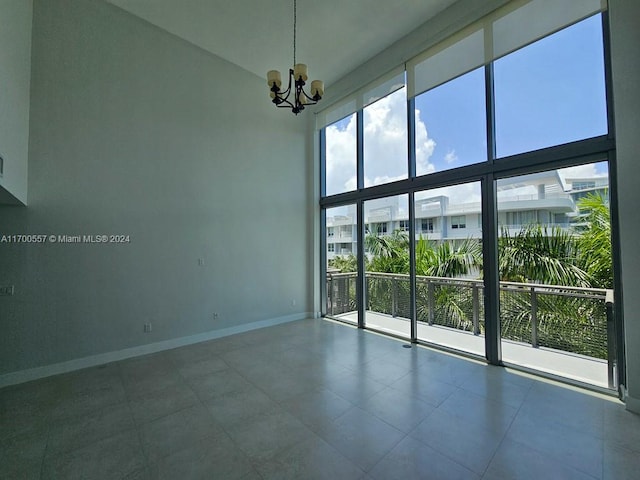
(450, 157)
(341, 157)
(385, 131)
(457, 194)
(351, 184)
(383, 179)
(424, 147)
(385, 139)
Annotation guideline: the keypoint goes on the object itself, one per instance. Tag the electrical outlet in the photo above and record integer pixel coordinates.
(215, 315)
(6, 291)
(201, 262)
(147, 327)
(293, 302)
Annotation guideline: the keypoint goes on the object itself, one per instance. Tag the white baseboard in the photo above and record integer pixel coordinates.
(633, 404)
(27, 375)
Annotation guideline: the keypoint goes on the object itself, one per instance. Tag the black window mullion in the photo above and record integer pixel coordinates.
(413, 316)
(360, 149)
(411, 133)
(361, 290)
(490, 103)
(361, 287)
(323, 261)
(493, 350)
(411, 170)
(323, 162)
(493, 347)
(608, 81)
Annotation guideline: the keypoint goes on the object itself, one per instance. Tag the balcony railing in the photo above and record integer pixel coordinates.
(569, 319)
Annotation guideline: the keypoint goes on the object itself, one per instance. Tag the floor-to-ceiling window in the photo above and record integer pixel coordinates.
(478, 183)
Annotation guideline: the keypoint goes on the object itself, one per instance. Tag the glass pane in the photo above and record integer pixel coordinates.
(385, 139)
(342, 264)
(556, 271)
(387, 275)
(451, 125)
(552, 91)
(449, 286)
(340, 154)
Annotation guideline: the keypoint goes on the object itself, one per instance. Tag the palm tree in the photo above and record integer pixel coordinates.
(447, 260)
(541, 254)
(594, 241)
(389, 253)
(346, 264)
(551, 256)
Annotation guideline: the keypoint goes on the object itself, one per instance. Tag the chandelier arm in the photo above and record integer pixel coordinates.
(309, 97)
(283, 93)
(287, 92)
(285, 104)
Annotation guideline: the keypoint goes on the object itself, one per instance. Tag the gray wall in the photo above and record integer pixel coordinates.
(625, 40)
(136, 132)
(15, 66)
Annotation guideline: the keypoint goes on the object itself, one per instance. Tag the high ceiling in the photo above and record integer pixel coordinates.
(334, 36)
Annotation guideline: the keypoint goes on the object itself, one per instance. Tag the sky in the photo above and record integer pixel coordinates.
(548, 93)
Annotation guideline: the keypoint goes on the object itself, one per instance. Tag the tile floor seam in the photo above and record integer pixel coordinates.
(44, 453)
(454, 460)
(573, 430)
(331, 446)
(603, 449)
(368, 472)
(556, 459)
(137, 426)
(147, 465)
(504, 435)
(254, 385)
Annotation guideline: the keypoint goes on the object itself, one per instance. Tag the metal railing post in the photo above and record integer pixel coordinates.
(611, 341)
(534, 318)
(394, 297)
(330, 295)
(367, 283)
(431, 300)
(476, 310)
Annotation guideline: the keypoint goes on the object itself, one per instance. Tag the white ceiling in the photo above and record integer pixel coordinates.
(334, 36)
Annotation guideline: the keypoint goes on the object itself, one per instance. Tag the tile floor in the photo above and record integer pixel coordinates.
(306, 400)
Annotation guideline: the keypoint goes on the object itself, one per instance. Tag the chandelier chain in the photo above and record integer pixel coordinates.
(295, 22)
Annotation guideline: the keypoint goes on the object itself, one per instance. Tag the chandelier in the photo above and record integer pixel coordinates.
(297, 80)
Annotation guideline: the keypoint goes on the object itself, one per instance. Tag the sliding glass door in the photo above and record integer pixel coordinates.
(449, 284)
(387, 291)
